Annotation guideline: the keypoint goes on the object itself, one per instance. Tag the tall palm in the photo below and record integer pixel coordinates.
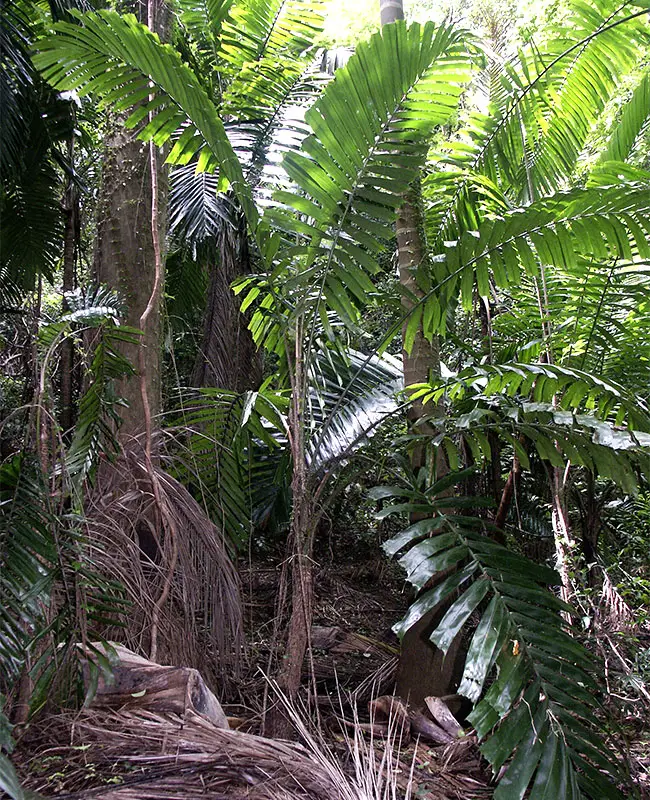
(255, 61)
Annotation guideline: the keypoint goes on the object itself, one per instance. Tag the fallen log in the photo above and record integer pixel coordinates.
(139, 683)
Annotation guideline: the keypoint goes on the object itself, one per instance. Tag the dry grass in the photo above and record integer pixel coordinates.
(143, 755)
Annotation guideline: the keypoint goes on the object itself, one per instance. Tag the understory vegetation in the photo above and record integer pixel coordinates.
(326, 374)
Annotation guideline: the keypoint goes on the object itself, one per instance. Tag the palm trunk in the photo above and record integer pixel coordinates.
(70, 243)
(390, 11)
(300, 549)
(423, 669)
(124, 253)
(228, 357)
(564, 542)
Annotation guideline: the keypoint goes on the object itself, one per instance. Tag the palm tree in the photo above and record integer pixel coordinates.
(255, 60)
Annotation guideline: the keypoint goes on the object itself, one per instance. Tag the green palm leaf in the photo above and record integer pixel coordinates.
(118, 59)
(543, 106)
(349, 395)
(270, 29)
(197, 208)
(537, 715)
(600, 224)
(204, 19)
(351, 172)
(633, 121)
(216, 452)
(566, 388)
(590, 79)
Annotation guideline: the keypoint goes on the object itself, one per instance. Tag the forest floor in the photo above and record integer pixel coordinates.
(354, 661)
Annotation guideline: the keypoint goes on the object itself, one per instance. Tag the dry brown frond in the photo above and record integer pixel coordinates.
(170, 757)
(613, 611)
(200, 621)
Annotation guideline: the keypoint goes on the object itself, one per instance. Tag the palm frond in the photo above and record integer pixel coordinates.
(98, 416)
(590, 79)
(204, 21)
(543, 105)
(29, 560)
(631, 124)
(525, 671)
(117, 58)
(196, 206)
(352, 171)
(269, 29)
(598, 224)
(31, 230)
(219, 430)
(16, 84)
(567, 389)
(349, 395)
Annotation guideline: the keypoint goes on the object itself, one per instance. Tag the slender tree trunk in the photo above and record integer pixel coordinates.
(124, 256)
(423, 669)
(591, 525)
(564, 542)
(304, 521)
(228, 357)
(70, 244)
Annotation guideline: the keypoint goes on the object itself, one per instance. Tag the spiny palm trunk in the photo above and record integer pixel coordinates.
(131, 227)
(124, 252)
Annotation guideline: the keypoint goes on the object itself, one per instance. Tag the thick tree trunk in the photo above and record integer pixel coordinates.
(228, 357)
(124, 253)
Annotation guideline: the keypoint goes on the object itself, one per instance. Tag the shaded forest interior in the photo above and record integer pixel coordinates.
(324, 422)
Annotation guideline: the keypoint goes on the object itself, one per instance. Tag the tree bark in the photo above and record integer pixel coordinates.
(124, 257)
(390, 11)
(590, 512)
(70, 245)
(228, 357)
(423, 670)
(300, 551)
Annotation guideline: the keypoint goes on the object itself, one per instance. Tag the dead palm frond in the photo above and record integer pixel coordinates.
(184, 588)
